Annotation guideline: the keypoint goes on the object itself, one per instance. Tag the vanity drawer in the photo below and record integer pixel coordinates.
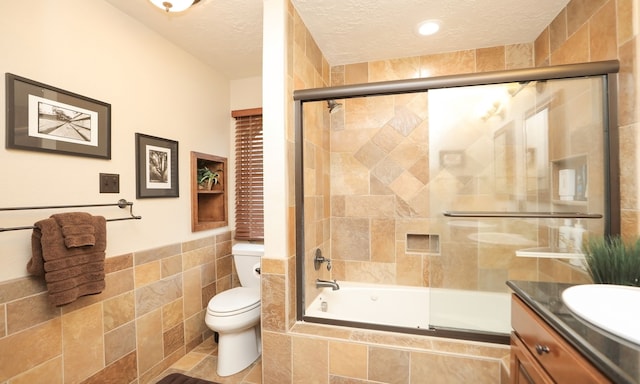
(559, 359)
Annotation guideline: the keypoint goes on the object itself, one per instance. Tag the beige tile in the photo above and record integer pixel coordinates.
(198, 243)
(350, 239)
(171, 265)
(154, 296)
(49, 372)
(558, 31)
(579, 12)
(348, 359)
(192, 291)
(173, 339)
(628, 82)
(490, 59)
(172, 314)
(3, 328)
(394, 69)
(118, 310)
(625, 20)
(29, 311)
(122, 371)
(389, 365)
(223, 246)
(310, 360)
(383, 240)
(428, 368)
(602, 34)
(276, 365)
(447, 63)
(118, 263)
(147, 273)
(30, 348)
(146, 256)
(224, 266)
(542, 48)
(149, 339)
(273, 303)
(369, 206)
(83, 343)
(19, 288)
(195, 328)
(119, 342)
(356, 73)
(197, 257)
(519, 56)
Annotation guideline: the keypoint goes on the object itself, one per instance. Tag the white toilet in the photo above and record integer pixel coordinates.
(235, 313)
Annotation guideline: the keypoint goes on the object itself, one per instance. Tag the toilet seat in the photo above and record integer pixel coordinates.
(234, 301)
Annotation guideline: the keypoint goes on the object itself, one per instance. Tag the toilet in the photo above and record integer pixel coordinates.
(235, 313)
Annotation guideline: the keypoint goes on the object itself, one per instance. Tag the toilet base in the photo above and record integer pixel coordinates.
(236, 351)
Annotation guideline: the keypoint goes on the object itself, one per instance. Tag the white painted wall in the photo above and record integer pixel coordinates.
(276, 98)
(91, 48)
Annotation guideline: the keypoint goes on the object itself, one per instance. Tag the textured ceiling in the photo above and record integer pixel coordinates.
(227, 34)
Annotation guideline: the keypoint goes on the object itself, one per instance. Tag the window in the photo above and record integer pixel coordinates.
(249, 175)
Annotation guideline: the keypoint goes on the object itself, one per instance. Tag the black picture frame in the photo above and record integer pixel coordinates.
(43, 118)
(156, 167)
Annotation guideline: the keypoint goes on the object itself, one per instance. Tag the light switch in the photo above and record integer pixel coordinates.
(109, 183)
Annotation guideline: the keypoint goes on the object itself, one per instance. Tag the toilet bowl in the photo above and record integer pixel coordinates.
(235, 313)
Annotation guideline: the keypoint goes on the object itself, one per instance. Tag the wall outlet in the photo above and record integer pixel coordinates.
(109, 183)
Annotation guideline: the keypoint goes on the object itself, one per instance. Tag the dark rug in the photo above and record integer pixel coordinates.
(178, 378)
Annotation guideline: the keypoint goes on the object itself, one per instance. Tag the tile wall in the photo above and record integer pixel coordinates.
(586, 30)
(149, 316)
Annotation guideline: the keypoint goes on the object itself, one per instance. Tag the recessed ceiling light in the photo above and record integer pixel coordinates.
(428, 27)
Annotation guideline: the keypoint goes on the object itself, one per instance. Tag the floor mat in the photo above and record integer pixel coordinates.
(178, 378)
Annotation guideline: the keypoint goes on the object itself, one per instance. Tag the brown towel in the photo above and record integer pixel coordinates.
(77, 228)
(70, 272)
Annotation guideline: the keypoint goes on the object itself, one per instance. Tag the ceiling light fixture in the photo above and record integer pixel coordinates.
(428, 27)
(174, 5)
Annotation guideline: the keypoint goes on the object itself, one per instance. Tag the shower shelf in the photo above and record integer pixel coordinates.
(546, 252)
(524, 215)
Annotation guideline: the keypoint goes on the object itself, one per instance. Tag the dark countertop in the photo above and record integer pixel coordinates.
(617, 358)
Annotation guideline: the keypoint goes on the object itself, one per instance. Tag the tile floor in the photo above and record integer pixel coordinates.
(201, 363)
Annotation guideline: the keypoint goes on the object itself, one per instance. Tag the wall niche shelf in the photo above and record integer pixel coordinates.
(208, 204)
(577, 164)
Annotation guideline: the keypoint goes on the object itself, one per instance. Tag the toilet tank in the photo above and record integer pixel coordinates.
(247, 257)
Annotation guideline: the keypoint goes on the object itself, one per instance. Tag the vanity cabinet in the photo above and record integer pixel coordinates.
(208, 203)
(540, 355)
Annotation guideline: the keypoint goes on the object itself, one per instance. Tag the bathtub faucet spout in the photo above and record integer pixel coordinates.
(327, 283)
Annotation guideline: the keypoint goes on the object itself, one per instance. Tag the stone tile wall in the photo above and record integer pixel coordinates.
(292, 354)
(149, 316)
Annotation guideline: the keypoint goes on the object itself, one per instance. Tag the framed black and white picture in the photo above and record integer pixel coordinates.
(156, 167)
(48, 119)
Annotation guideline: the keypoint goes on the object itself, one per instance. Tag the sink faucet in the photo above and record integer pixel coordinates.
(327, 283)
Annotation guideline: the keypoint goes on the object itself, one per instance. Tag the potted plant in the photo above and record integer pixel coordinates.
(207, 178)
(612, 261)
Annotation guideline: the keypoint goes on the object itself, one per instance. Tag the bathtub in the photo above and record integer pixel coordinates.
(409, 307)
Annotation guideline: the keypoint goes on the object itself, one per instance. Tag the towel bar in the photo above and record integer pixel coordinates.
(122, 203)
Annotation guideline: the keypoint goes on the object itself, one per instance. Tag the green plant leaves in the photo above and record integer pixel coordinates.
(612, 261)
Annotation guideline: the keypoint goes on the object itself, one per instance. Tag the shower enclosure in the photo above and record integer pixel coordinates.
(455, 185)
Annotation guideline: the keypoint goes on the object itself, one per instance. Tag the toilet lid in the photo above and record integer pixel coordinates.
(235, 299)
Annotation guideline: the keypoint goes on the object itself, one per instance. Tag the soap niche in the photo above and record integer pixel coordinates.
(570, 181)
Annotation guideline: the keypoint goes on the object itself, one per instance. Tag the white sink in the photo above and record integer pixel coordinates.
(614, 308)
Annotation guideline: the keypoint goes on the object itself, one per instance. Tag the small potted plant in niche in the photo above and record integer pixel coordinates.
(611, 260)
(207, 178)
